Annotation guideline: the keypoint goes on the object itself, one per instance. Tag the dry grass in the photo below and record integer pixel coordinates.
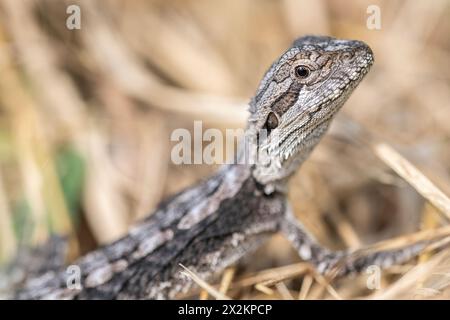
(86, 116)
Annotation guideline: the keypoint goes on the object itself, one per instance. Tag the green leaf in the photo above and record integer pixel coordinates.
(70, 167)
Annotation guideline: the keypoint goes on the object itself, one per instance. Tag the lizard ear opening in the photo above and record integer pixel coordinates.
(271, 122)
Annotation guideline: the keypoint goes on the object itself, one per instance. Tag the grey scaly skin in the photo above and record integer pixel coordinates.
(212, 225)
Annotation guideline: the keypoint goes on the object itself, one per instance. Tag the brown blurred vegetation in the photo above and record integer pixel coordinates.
(86, 117)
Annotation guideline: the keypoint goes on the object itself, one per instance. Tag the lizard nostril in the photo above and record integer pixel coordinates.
(347, 56)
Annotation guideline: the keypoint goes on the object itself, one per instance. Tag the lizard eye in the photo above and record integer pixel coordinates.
(271, 122)
(302, 72)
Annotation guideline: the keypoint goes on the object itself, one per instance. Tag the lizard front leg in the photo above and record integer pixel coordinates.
(343, 262)
(308, 248)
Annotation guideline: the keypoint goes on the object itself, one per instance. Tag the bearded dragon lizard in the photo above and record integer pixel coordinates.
(212, 225)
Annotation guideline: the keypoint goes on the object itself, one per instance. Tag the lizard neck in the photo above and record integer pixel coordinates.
(250, 161)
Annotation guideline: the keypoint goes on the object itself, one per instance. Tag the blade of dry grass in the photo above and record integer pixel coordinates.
(227, 278)
(106, 211)
(407, 283)
(325, 284)
(284, 291)
(413, 176)
(203, 284)
(397, 163)
(271, 276)
(306, 286)
(7, 238)
(264, 289)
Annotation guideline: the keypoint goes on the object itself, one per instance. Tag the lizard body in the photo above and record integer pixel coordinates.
(211, 225)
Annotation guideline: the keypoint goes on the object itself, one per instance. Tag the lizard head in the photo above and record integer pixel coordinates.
(297, 99)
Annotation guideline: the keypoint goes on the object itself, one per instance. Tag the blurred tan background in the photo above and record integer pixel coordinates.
(86, 115)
